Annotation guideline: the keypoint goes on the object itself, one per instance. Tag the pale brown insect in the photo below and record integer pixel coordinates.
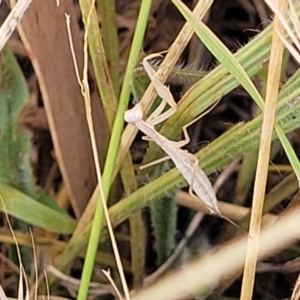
(185, 162)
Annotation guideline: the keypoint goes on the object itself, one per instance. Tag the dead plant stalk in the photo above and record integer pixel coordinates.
(274, 73)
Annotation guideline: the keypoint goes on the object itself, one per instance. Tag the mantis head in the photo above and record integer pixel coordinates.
(134, 114)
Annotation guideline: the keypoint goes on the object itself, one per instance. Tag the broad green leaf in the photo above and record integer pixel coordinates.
(15, 168)
(27, 209)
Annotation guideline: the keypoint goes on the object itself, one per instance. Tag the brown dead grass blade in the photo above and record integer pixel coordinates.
(45, 37)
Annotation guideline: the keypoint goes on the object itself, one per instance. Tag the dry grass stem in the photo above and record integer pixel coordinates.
(273, 81)
(12, 21)
(232, 211)
(294, 49)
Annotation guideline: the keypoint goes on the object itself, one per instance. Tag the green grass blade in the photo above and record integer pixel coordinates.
(27, 209)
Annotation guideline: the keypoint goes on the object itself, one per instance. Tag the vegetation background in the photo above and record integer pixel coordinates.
(48, 165)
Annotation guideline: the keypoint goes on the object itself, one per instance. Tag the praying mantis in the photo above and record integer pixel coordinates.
(185, 162)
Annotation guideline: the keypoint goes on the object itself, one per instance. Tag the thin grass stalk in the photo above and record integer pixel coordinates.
(127, 172)
(137, 234)
(245, 178)
(273, 81)
(110, 39)
(34, 291)
(21, 268)
(136, 219)
(125, 93)
(246, 172)
(112, 150)
(137, 238)
(286, 187)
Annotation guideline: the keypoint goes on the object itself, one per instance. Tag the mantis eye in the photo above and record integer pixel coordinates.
(134, 114)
